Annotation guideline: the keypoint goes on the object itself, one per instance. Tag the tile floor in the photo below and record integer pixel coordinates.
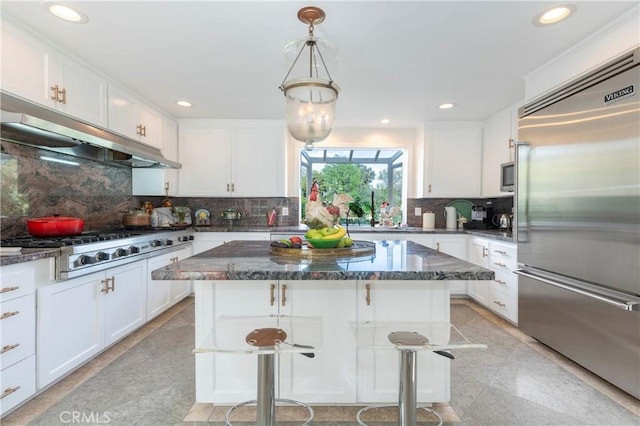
(147, 379)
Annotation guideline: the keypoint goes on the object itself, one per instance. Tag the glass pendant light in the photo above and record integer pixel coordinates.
(311, 101)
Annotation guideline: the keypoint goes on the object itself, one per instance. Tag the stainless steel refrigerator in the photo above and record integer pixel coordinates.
(578, 221)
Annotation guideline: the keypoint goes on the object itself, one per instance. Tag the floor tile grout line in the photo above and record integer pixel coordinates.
(621, 398)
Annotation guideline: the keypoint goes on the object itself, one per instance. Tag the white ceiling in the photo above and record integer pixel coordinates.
(396, 59)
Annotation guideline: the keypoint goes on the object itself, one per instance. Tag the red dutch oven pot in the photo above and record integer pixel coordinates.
(55, 226)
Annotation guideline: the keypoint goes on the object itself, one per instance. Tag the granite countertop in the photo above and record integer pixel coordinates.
(28, 255)
(496, 234)
(253, 260)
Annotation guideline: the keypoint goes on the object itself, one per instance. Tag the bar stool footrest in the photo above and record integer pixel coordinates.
(374, 407)
(282, 400)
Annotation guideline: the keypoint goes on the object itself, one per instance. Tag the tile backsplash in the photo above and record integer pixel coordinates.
(436, 205)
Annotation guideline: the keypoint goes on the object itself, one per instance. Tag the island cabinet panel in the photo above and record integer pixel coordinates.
(326, 378)
(402, 302)
(330, 376)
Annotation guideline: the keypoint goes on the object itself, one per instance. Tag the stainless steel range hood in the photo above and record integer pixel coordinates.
(27, 123)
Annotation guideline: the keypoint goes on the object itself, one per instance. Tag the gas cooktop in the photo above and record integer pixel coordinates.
(28, 241)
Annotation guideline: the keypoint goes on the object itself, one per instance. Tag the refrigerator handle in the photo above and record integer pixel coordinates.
(523, 152)
(625, 305)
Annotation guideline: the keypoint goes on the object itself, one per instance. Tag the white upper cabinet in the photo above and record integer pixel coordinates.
(35, 71)
(498, 146)
(239, 158)
(159, 181)
(129, 116)
(453, 153)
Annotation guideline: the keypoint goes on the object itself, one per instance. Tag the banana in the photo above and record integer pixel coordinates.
(337, 236)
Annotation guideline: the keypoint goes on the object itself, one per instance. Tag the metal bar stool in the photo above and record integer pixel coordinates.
(409, 343)
(267, 337)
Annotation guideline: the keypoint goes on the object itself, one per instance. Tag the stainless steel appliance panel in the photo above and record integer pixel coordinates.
(601, 337)
(578, 194)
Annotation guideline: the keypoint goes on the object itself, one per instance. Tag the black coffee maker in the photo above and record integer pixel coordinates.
(481, 217)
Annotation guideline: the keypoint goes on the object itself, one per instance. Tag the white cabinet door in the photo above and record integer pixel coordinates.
(478, 254)
(25, 65)
(132, 118)
(234, 375)
(181, 288)
(205, 157)
(157, 181)
(453, 154)
(401, 301)
(32, 70)
(328, 377)
(70, 325)
(85, 92)
(498, 146)
(228, 158)
(258, 162)
(158, 299)
(125, 304)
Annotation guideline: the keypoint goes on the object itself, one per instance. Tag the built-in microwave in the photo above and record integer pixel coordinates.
(507, 177)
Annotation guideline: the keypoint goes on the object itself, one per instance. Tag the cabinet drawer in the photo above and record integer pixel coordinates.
(503, 305)
(17, 329)
(506, 283)
(16, 281)
(18, 384)
(502, 257)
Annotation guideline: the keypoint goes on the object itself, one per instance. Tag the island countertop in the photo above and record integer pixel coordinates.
(253, 260)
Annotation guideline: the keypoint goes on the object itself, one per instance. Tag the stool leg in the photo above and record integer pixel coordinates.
(266, 400)
(408, 388)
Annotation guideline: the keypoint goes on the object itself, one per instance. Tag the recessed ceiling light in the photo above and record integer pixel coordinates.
(555, 14)
(184, 103)
(66, 13)
(447, 105)
(384, 121)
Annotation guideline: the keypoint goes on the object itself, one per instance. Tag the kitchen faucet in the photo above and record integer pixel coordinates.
(373, 203)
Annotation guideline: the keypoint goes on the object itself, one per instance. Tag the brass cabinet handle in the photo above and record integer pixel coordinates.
(9, 391)
(485, 251)
(228, 188)
(438, 246)
(502, 265)
(143, 130)
(511, 145)
(8, 314)
(233, 187)
(174, 259)
(501, 252)
(8, 289)
(501, 282)
(55, 90)
(7, 348)
(106, 288)
(284, 294)
(429, 188)
(139, 130)
(63, 92)
(368, 296)
(272, 291)
(502, 305)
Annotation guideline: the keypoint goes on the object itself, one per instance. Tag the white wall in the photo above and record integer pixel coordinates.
(621, 35)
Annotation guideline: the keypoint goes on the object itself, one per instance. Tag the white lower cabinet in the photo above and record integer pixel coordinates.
(501, 295)
(18, 330)
(78, 318)
(328, 377)
(478, 254)
(163, 294)
(378, 370)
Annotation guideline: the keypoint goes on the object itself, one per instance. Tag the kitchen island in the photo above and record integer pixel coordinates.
(402, 282)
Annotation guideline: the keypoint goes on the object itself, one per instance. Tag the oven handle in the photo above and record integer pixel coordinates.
(625, 305)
